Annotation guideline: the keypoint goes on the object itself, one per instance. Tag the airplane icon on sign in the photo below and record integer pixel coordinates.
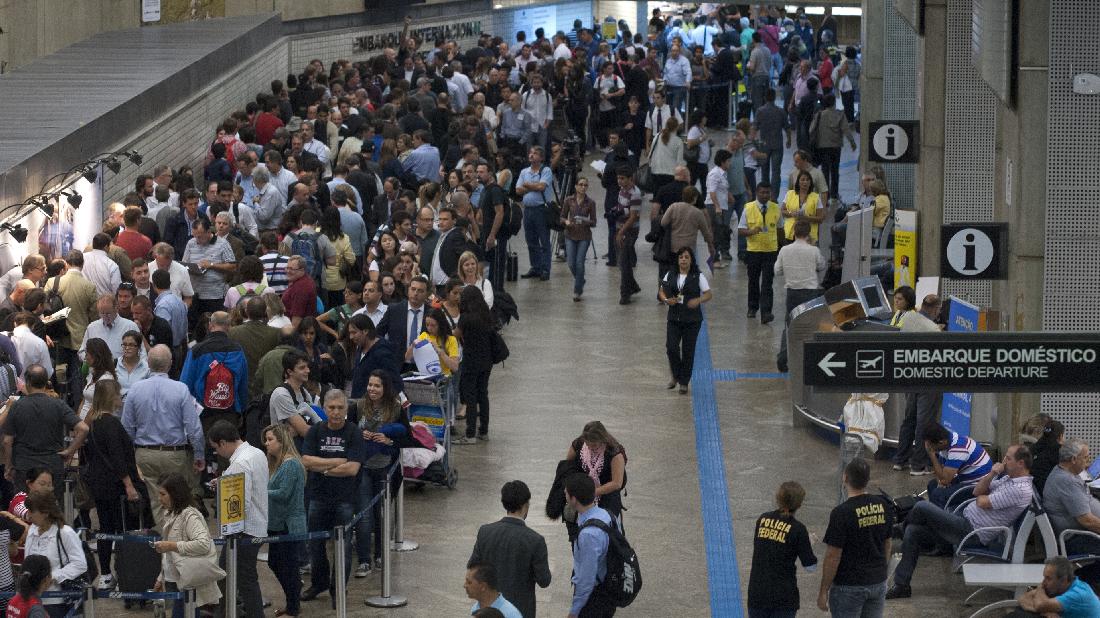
(870, 363)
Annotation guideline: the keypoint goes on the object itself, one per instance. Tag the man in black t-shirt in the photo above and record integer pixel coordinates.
(494, 240)
(779, 539)
(853, 580)
(331, 453)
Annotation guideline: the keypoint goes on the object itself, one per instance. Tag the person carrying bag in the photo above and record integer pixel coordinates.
(190, 561)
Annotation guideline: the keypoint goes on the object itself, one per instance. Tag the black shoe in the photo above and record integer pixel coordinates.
(727, 257)
(544, 277)
(311, 593)
(899, 591)
(625, 300)
(610, 263)
(752, 313)
(766, 317)
(636, 289)
(529, 275)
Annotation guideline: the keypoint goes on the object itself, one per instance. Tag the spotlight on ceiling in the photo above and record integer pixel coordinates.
(73, 198)
(113, 165)
(46, 208)
(134, 157)
(90, 175)
(18, 232)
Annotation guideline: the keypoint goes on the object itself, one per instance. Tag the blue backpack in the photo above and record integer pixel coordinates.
(305, 245)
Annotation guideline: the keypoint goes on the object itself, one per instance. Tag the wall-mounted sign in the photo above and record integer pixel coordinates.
(894, 141)
(973, 250)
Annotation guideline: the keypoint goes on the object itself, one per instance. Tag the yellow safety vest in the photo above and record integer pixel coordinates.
(756, 217)
(790, 214)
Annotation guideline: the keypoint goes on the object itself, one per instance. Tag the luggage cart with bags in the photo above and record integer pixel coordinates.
(432, 402)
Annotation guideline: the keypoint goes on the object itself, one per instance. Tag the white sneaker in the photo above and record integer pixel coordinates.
(105, 582)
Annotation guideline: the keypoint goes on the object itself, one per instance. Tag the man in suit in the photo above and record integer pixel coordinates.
(517, 552)
(79, 295)
(404, 321)
(384, 205)
(449, 247)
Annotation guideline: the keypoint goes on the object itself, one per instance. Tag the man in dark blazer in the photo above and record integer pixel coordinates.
(384, 205)
(450, 246)
(517, 552)
(397, 326)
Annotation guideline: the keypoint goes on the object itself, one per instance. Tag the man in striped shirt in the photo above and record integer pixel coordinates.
(274, 262)
(1003, 493)
(957, 460)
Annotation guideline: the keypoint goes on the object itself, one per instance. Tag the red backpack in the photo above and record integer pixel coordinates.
(218, 389)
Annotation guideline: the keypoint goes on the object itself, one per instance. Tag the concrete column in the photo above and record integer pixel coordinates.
(931, 107)
(870, 80)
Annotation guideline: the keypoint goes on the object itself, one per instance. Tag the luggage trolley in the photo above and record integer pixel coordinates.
(432, 401)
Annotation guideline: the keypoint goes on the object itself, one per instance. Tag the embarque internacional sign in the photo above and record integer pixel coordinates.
(970, 362)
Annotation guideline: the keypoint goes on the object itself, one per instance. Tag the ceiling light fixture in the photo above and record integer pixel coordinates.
(73, 198)
(114, 165)
(17, 232)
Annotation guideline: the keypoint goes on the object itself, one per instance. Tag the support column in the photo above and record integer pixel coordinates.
(870, 79)
(931, 107)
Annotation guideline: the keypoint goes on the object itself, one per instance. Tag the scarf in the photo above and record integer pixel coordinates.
(592, 463)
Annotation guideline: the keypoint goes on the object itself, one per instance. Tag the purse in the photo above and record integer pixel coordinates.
(196, 571)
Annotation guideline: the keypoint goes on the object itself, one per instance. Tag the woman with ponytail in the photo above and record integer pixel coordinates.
(666, 152)
(34, 580)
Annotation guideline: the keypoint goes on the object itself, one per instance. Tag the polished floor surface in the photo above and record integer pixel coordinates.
(701, 466)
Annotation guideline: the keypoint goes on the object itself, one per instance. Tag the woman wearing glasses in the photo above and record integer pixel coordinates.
(579, 217)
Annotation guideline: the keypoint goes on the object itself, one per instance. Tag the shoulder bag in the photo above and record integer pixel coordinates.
(195, 571)
(553, 209)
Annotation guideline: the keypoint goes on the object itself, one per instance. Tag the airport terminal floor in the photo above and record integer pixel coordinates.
(700, 466)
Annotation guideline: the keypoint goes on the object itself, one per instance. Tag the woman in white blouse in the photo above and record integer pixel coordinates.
(666, 153)
(469, 271)
(50, 537)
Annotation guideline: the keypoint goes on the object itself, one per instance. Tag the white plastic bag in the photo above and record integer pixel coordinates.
(427, 361)
(864, 417)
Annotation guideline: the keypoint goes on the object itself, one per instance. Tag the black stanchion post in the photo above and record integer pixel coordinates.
(68, 501)
(340, 558)
(89, 601)
(399, 542)
(386, 599)
(231, 577)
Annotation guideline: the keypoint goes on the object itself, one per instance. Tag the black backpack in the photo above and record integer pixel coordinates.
(513, 218)
(624, 575)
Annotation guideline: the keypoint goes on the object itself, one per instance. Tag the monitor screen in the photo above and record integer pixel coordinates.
(873, 298)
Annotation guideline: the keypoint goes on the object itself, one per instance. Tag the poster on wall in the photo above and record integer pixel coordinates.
(177, 11)
(529, 20)
(956, 407)
(905, 248)
(150, 11)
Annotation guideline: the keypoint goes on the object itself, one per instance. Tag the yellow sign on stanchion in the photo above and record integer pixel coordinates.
(609, 30)
(231, 503)
(905, 248)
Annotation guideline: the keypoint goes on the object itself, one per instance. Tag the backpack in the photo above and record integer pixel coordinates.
(247, 293)
(217, 391)
(305, 245)
(250, 242)
(54, 303)
(513, 218)
(624, 574)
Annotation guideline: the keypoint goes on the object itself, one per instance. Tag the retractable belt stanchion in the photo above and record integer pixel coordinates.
(190, 604)
(731, 103)
(231, 577)
(399, 542)
(69, 501)
(89, 601)
(340, 558)
(387, 599)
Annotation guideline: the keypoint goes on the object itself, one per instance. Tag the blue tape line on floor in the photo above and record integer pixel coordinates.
(732, 375)
(724, 580)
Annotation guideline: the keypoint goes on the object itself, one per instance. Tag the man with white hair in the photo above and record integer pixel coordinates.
(1067, 500)
(269, 203)
(110, 327)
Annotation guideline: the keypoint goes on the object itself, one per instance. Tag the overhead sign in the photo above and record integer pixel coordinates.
(231, 503)
(945, 362)
(894, 141)
(973, 250)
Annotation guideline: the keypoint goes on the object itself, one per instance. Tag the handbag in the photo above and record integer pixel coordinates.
(498, 348)
(644, 177)
(195, 571)
(82, 581)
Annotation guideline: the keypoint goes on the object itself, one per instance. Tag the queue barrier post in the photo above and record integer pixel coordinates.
(387, 599)
(340, 558)
(89, 601)
(731, 106)
(399, 542)
(231, 577)
(190, 604)
(68, 501)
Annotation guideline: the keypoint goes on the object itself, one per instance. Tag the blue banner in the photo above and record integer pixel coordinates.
(955, 410)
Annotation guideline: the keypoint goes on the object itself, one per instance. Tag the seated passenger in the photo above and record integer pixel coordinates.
(1067, 500)
(957, 460)
(1060, 594)
(1000, 501)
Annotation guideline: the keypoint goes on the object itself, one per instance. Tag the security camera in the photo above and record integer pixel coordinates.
(1086, 83)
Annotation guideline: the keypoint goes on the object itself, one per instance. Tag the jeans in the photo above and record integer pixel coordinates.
(775, 165)
(676, 95)
(575, 251)
(248, 581)
(282, 559)
(927, 526)
(372, 482)
(761, 265)
(829, 160)
(326, 516)
(758, 85)
(109, 511)
(611, 199)
(939, 496)
(680, 340)
(628, 259)
(848, 99)
(857, 601)
(772, 613)
(475, 394)
(920, 409)
(720, 226)
(537, 231)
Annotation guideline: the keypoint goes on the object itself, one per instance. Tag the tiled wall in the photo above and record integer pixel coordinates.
(183, 134)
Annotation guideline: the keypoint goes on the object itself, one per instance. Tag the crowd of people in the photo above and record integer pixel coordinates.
(255, 314)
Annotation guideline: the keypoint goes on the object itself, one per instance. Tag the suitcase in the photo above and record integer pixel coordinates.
(512, 269)
(137, 565)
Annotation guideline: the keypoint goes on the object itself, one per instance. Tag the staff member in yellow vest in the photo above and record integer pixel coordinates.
(802, 203)
(758, 224)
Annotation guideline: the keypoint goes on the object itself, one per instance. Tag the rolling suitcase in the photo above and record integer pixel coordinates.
(512, 269)
(137, 565)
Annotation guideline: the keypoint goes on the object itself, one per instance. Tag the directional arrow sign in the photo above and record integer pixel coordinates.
(827, 365)
(1039, 362)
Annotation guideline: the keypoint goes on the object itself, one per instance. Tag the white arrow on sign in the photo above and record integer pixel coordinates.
(827, 366)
